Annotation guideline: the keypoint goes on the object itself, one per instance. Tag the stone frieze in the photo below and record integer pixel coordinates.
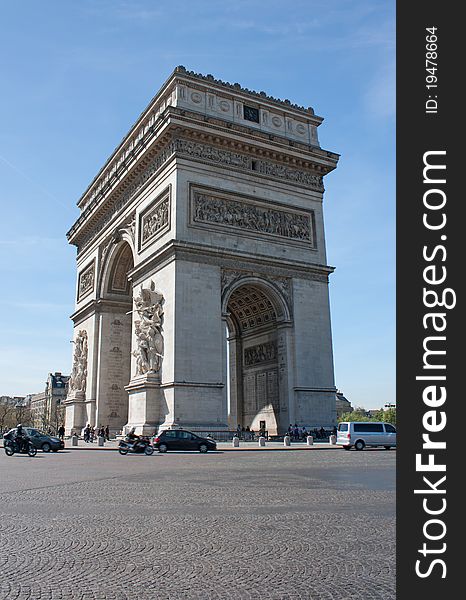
(260, 353)
(212, 209)
(206, 153)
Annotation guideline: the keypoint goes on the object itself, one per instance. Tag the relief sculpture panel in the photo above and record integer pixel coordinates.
(260, 353)
(258, 218)
(86, 281)
(155, 219)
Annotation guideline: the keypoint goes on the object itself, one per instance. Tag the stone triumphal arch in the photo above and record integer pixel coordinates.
(202, 283)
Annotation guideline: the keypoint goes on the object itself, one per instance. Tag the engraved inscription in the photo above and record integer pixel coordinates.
(116, 372)
(261, 392)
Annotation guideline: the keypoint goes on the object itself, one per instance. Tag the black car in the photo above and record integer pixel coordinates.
(180, 439)
(39, 440)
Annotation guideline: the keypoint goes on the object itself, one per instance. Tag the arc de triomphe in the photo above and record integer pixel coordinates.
(202, 287)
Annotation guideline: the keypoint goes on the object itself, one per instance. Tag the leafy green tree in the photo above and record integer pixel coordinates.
(389, 415)
(358, 414)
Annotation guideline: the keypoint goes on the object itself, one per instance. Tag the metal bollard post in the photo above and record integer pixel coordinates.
(235, 441)
(101, 440)
(286, 440)
(333, 440)
(74, 440)
(262, 441)
(309, 440)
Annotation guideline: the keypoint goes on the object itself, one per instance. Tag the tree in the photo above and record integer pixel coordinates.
(389, 415)
(358, 414)
(7, 409)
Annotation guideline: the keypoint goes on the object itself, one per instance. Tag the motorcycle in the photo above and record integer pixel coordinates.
(142, 445)
(12, 447)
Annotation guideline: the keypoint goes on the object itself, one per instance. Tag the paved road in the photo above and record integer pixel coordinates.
(92, 525)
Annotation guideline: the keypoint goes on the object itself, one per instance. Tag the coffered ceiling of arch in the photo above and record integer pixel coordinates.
(251, 307)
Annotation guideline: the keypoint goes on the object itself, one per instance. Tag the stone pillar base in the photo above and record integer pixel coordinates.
(144, 404)
(75, 413)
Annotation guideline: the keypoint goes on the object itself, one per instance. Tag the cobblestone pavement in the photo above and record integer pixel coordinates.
(263, 525)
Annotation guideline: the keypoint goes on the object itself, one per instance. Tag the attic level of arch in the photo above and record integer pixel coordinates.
(166, 102)
(238, 155)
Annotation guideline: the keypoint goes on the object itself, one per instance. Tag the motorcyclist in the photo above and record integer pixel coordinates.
(20, 437)
(132, 437)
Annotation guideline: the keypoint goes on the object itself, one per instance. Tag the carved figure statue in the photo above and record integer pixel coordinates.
(79, 371)
(148, 330)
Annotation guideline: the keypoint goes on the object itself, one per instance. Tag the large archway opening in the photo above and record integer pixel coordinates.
(115, 341)
(255, 358)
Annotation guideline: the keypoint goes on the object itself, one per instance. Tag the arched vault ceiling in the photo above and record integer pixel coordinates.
(119, 275)
(251, 307)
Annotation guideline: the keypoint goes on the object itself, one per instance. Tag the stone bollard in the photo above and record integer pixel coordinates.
(235, 441)
(74, 440)
(101, 440)
(286, 440)
(309, 440)
(262, 441)
(333, 440)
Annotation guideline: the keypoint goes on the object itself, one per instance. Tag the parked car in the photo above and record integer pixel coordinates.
(366, 433)
(180, 439)
(39, 440)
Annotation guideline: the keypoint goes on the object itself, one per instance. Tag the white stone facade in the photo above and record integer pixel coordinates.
(214, 202)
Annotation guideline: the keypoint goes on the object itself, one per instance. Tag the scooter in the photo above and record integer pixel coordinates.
(142, 445)
(12, 447)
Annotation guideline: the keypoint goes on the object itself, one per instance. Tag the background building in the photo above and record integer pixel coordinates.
(47, 407)
(343, 404)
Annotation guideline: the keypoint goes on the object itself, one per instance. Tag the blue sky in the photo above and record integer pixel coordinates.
(76, 75)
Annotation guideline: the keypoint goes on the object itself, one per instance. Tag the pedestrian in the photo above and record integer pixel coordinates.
(87, 433)
(107, 433)
(61, 432)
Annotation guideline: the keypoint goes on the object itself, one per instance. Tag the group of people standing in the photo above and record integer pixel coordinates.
(90, 433)
(300, 433)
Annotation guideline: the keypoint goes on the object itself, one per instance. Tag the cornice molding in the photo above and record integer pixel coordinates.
(94, 307)
(229, 259)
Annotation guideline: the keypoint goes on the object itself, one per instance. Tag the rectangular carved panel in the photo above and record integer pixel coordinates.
(226, 210)
(86, 281)
(155, 219)
(260, 353)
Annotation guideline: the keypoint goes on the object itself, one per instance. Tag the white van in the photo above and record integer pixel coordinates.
(366, 433)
